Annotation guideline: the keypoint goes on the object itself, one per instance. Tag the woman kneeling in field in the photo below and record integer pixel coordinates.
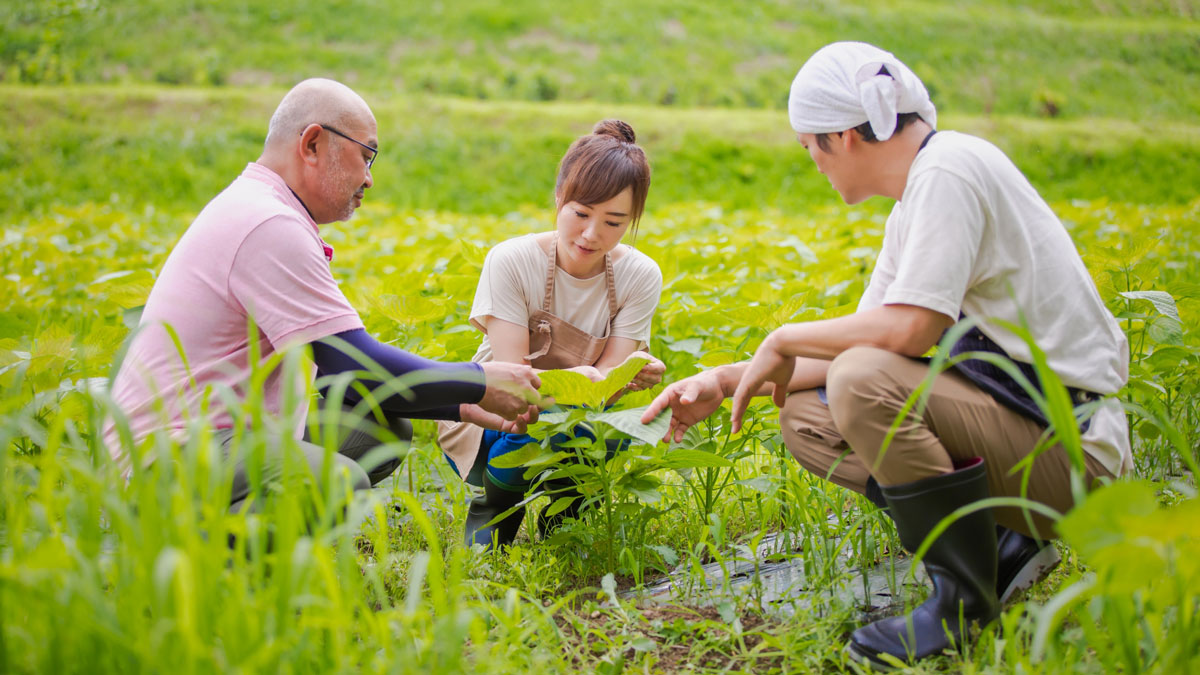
(572, 298)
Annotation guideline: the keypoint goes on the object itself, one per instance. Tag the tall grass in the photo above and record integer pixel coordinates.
(100, 575)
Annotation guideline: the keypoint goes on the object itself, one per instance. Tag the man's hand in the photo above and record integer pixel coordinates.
(690, 400)
(768, 366)
(650, 374)
(512, 389)
(471, 412)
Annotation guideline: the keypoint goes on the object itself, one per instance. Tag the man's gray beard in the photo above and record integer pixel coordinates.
(337, 177)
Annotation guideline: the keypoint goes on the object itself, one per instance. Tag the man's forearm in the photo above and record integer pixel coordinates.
(433, 388)
(808, 374)
(904, 329)
(729, 376)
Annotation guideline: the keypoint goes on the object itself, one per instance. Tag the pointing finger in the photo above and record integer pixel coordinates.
(656, 406)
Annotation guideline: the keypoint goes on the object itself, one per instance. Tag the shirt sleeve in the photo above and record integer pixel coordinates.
(636, 314)
(938, 245)
(425, 385)
(281, 278)
(885, 269)
(502, 290)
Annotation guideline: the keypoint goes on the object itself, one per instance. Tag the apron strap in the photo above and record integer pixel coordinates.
(552, 262)
(610, 287)
(543, 327)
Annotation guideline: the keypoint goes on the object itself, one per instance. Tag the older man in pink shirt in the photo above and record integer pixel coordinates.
(250, 278)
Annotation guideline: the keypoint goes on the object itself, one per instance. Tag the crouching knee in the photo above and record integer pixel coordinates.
(856, 377)
(402, 427)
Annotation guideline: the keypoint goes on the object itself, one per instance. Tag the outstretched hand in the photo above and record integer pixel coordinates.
(691, 400)
(767, 366)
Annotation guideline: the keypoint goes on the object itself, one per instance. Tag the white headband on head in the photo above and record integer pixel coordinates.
(844, 85)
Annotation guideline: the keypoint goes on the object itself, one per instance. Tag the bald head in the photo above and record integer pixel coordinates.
(322, 141)
(316, 101)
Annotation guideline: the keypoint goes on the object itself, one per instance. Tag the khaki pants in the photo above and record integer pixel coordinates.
(866, 389)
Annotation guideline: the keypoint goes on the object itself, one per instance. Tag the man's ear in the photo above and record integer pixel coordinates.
(309, 139)
(850, 138)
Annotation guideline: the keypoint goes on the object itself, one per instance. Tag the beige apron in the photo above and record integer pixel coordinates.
(554, 344)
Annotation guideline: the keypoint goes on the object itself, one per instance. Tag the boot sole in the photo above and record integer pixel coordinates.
(867, 659)
(1038, 567)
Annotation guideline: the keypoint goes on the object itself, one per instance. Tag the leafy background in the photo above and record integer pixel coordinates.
(123, 119)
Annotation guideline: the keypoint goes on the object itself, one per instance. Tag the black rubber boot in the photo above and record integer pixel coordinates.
(961, 562)
(875, 494)
(494, 501)
(558, 489)
(1021, 561)
(565, 487)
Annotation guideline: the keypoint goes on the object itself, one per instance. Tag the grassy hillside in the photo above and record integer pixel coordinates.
(1109, 58)
(122, 119)
(177, 147)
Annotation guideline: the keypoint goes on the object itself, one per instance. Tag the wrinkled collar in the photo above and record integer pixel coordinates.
(256, 171)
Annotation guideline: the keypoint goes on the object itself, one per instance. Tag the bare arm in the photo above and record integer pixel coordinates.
(903, 329)
(799, 359)
(808, 374)
(509, 341)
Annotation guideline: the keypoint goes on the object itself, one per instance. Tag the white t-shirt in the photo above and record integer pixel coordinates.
(971, 234)
(513, 284)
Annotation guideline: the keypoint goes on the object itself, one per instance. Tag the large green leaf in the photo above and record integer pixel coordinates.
(567, 387)
(629, 421)
(1132, 542)
(558, 506)
(517, 457)
(682, 458)
(1166, 331)
(570, 388)
(1162, 301)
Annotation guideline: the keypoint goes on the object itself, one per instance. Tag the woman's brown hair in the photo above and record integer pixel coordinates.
(597, 167)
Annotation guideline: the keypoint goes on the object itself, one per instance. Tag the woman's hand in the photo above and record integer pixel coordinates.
(590, 372)
(768, 366)
(650, 374)
(471, 412)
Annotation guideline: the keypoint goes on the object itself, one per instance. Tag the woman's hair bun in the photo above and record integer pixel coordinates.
(617, 129)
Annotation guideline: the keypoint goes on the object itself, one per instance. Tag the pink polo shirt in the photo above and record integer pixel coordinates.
(252, 253)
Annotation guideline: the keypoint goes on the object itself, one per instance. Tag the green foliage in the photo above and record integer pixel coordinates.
(1111, 59)
(476, 103)
(137, 147)
(573, 389)
(1140, 604)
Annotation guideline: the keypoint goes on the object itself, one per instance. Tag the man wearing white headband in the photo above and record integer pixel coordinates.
(968, 238)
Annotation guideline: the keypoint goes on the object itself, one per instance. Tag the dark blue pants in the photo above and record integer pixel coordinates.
(496, 444)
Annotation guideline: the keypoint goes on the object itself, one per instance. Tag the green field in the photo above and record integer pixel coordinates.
(124, 119)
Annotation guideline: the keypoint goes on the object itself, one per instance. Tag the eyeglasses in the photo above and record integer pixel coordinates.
(374, 151)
